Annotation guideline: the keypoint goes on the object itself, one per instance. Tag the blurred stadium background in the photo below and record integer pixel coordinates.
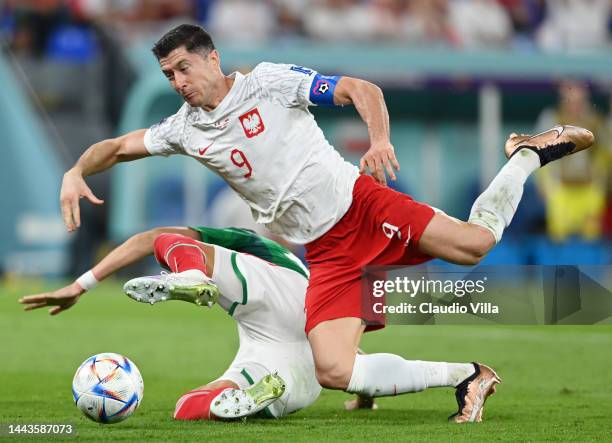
(458, 76)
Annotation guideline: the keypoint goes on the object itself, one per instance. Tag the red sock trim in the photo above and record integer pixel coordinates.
(179, 253)
(195, 405)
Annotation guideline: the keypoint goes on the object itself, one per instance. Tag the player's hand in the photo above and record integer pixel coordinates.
(73, 189)
(377, 159)
(58, 300)
(360, 402)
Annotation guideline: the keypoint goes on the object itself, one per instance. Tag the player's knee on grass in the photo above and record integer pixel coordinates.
(195, 405)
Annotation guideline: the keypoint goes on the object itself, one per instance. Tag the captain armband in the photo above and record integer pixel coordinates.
(322, 89)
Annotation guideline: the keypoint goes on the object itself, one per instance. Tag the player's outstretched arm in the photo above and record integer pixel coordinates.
(97, 158)
(59, 300)
(370, 103)
(132, 250)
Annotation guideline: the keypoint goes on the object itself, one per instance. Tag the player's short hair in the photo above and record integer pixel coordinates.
(194, 38)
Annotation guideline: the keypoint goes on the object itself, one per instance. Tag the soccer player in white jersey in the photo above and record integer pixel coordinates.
(256, 132)
(256, 280)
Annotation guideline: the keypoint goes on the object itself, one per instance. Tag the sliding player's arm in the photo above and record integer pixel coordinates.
(131, 251)
(369, 101)
(99, 157)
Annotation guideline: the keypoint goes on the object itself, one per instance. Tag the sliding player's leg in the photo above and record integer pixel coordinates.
(257, 393)
(225, 399)
(274, 380)
(195, 404)
(190, 261)
(265, 379)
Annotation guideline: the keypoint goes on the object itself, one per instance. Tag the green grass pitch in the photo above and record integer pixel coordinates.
(557, 381)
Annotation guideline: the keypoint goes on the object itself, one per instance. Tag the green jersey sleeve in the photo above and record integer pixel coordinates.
(247, 241)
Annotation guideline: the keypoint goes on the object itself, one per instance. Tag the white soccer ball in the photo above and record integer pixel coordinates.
(107, 387)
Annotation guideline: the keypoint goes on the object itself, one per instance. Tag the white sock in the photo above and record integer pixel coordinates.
(379, 375)
(495, 207)
(457, 372)
(194, 274)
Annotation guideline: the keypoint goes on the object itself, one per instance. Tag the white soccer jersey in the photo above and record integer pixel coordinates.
(265, 143)
(267, 302)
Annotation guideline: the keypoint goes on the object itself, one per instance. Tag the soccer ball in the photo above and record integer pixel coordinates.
(107, 387)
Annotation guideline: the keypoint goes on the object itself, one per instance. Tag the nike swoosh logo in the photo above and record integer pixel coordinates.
(558, 129)
(202, 151)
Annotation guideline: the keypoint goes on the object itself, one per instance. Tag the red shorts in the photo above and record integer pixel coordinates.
(382, 227)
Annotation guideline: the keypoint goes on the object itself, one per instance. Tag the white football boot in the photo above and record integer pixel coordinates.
(237, 403)
(192, 286)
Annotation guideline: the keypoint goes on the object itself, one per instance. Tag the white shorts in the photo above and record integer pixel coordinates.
(271, 323)
(292, 361)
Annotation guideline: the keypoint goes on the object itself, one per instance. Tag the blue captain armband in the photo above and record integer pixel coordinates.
(322, 89)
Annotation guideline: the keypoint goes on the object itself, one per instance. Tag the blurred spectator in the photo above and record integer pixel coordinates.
(133, 10)
(202, 10)
(480, 23)
(163, 10)
(128, 20)
(289, 16)
(574, 25)
(427, 21)
(37, 24)
(385, 16)
(243, 21)
(102, 10)
(574, 188)
(526, 17)
(519, 14)
(34, 23)
(339, 21)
